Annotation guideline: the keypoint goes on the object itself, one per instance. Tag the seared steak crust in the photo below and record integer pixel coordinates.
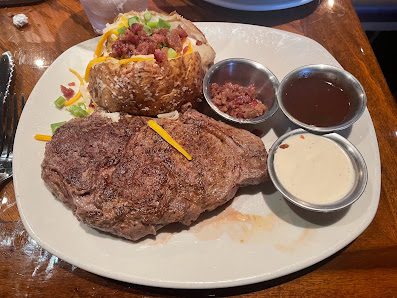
(123, 178)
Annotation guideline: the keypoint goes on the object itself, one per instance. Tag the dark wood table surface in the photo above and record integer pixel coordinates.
(365, 268)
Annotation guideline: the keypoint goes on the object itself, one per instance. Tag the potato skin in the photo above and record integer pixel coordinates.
(147, 88)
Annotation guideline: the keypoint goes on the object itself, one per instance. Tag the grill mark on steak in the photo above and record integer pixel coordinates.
(123, 178)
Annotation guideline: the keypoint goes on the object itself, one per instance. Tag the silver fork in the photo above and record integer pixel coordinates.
(9, 122)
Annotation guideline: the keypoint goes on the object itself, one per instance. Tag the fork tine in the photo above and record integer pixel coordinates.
(1, 122)
(15, 109)
(23, 101)
(14, 125)
(16, 118)
(8, 127)
(7, 116)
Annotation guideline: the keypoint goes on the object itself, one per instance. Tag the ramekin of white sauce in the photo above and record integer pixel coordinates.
(317, 172)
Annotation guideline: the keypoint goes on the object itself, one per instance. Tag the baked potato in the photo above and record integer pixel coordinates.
(149, 63)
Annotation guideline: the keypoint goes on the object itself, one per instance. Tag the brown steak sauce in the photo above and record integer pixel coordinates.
(315, 101)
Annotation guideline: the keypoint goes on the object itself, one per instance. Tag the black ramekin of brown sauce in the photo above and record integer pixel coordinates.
(321, 98)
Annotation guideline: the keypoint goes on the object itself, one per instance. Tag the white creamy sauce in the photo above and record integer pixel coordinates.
(314, 169)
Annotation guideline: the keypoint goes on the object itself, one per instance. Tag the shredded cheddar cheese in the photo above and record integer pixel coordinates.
(124, 21)
(189, 48)
(44, 138)
(73, 99)
(91, 64)
(136, 59)
(99, 47)
(77, 75)
(78, 94)
(103, 59)
(157, 128)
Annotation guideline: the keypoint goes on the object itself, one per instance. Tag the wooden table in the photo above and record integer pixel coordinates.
(366, 267)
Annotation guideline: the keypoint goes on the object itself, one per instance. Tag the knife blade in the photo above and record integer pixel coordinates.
(6, 72)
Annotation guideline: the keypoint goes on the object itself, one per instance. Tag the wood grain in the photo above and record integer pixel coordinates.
(366, 268)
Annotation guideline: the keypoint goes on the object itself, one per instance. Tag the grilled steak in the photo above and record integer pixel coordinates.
(123, 178)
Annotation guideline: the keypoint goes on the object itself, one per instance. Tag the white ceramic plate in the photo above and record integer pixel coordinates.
(259, 5)
(255, 238)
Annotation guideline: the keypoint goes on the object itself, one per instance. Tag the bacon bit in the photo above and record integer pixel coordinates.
(199, 43)
(284, 146)
(180, 31)
(302, 137)
(67, 92)
(160, 55)
(136, 27)
(237, 101)
(185, 49)
(72, 84)
(258, 132)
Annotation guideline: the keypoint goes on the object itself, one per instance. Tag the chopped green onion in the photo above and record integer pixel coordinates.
(54, 126)
(163, 24)
(60, 102)
(77, 111)
(82, 105)
(121, 29)
(147, 16)
(171, 53)
(133, 20)
(147, 29)
(153, 24)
